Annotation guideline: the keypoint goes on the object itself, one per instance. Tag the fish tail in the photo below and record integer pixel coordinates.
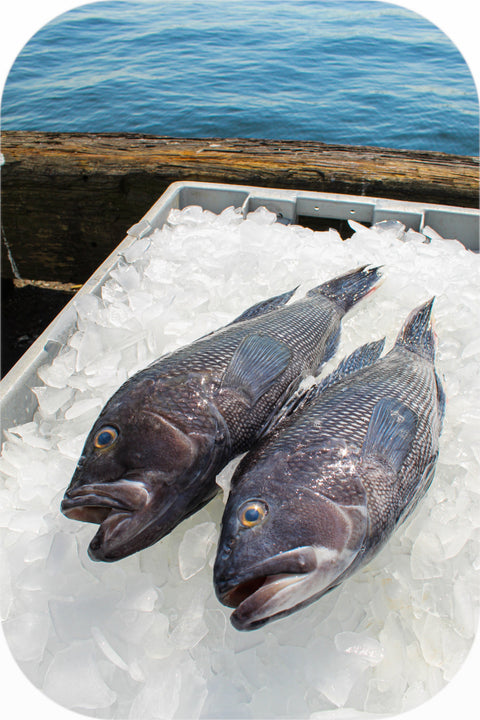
(348, 289)
(417, 332)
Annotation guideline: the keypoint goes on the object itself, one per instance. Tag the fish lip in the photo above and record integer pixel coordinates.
(252, 612)
(91, 508)
(99, 549)
(249, 593)
(95, 502)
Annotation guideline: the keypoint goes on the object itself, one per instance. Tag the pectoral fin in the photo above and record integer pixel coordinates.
(255, 365)
(390, 433)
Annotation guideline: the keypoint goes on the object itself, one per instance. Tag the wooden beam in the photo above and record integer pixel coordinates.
(68, 198)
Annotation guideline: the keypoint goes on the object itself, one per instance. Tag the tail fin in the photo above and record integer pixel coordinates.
(348, 289)
(417, 333)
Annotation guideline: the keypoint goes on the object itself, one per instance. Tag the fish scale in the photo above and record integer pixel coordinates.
(343, 467)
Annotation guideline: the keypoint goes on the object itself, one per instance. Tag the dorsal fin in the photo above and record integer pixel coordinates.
(265, 306)
(360, 358)
(255, 365)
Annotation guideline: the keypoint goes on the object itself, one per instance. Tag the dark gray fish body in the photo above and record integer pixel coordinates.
(152, 456)
(322, 494)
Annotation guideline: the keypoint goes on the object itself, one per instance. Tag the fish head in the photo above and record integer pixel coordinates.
(284, 542)
(140, 472)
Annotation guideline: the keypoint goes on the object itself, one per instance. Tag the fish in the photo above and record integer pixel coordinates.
(152, 456)
(346, 463)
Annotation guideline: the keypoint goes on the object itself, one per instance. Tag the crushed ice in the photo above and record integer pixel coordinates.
(146, 637)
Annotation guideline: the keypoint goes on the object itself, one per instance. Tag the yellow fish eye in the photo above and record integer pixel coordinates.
(252, 513)
(105, 437)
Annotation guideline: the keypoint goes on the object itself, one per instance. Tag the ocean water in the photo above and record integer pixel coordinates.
(337, 71)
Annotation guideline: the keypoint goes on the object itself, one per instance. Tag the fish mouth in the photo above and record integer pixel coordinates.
(269, 590)
(116, 507)
(93, 503)
(259, 600)
(281, 584)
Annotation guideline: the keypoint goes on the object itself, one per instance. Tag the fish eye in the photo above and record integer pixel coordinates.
(252, 513)
(105, 437)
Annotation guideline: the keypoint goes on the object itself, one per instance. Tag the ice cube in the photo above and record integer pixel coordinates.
(193, 692)
(226, 698)
(140, 301)
(261, 216)
(126, 276)
(31, 435)
(157, 643)
(159, 698)
(335, 674)
(38, 548)
(29, 520)
(63, 555)
(107, 649)
(141, 596)
(362, 646)
(394, 228)
(58, 372)
(190, 628)
(73, 617)
(194, 548)
(73, 680)
(88, 309)
(427, 556)
(81, 407)
(136, 250)
(27, 635)
(465, 607)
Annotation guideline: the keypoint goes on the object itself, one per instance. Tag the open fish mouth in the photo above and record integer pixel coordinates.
(282, 583)
(271, 588)
(116, 507)
(258, 600)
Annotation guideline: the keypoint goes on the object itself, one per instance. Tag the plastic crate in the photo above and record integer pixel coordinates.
(317, 210)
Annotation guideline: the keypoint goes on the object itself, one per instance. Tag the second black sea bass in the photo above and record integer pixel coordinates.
(325, 490)
(152, 455)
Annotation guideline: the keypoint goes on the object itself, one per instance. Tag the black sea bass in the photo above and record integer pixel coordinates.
(321, 495)
(152, 455)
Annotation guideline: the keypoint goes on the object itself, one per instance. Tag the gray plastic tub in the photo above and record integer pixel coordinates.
(317, 210)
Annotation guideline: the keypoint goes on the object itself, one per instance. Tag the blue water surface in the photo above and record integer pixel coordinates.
(359, 72)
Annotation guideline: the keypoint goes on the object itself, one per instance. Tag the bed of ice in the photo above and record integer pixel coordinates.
(146, 637)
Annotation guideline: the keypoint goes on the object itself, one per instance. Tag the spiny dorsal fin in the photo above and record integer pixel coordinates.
(360, 358)
(265, 306)
(255, 365)
(391, 432)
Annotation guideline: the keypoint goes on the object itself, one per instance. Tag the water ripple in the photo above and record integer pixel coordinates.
(341, 71)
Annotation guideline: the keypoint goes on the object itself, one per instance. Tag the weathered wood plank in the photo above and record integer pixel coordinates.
(68, 198)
